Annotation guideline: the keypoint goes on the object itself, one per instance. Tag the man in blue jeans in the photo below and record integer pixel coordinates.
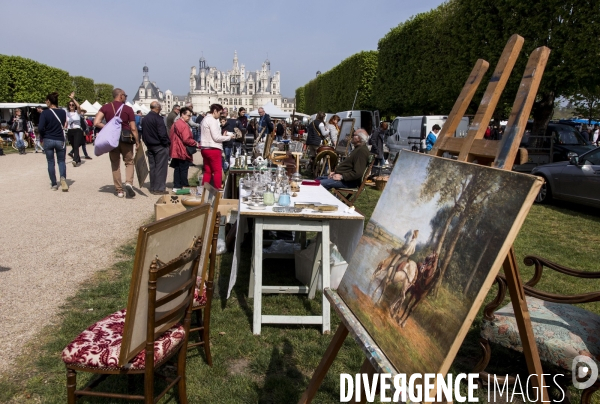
(349, 173)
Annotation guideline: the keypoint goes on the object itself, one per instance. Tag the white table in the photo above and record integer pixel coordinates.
(341, 227)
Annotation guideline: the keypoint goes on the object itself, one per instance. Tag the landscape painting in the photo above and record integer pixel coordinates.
(429, 254)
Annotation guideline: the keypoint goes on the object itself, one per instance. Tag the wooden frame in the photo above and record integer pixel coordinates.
(165, 239)
(436, 193)
(203, 312)
(211, 196)
(345, 135)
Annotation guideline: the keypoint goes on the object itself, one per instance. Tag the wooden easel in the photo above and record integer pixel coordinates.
(472, 148)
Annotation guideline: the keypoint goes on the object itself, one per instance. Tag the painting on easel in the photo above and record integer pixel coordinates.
(429, 254)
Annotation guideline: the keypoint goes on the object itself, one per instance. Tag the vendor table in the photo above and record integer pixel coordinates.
(233, 177)
(342, 227)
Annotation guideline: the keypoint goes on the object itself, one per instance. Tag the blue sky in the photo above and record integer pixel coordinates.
(109, 41)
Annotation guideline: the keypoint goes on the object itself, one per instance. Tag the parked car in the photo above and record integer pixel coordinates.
(577, 180)
(559, 143)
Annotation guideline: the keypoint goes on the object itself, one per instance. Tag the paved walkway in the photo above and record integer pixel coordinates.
(52, 241)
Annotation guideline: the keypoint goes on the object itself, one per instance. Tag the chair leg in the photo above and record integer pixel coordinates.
(206, 336)
(71, 386)
(149, 383)
(181, 385)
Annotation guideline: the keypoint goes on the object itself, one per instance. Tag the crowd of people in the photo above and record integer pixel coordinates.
(172, 140)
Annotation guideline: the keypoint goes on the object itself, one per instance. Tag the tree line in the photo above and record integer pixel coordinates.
(25, 80)
(423, 63)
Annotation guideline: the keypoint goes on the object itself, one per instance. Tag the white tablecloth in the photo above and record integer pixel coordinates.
(345, 227)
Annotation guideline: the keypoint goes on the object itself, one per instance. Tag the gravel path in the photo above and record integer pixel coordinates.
(52, 241)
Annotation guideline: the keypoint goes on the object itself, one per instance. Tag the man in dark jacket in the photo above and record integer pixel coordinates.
(349, 173)
(265, 126)
(154, 135)
(232, 124)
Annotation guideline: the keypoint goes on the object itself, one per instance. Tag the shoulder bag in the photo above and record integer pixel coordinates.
(108, 138)
(126, 135)
(61, 125)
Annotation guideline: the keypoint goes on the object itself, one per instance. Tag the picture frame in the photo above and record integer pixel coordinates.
(424, 266)
(163, 240)
(345, 135)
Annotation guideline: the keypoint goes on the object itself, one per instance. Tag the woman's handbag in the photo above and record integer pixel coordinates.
(110, 135)
(191, 149)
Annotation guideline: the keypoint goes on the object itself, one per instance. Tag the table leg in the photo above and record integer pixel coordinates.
(258, 246)
(326, 273)
(314, 275)
(251, 286)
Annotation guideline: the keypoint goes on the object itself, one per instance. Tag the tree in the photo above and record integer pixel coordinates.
(587, 103)
(335, 89)
(103, 93)
(300, 103)
(84, 88)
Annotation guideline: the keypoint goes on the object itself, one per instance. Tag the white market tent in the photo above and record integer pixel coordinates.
(272, 110)
(89, 108)
(97, 105)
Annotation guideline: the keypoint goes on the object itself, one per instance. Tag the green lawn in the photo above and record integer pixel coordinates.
(276, 366)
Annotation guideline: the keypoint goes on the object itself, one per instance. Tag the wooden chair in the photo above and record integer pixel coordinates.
(562, 331)
(203, 295)
(116, 344)
(350, 195)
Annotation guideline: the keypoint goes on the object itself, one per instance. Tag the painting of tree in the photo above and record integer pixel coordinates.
(429, 253)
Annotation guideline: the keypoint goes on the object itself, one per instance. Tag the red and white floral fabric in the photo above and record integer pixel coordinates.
(199, 299)
(99, 346)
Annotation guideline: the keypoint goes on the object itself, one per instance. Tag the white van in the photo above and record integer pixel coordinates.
(362, 119)
(409, 132)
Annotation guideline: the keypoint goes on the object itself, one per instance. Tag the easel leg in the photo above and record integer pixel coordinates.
(517, 297)
(324, 365)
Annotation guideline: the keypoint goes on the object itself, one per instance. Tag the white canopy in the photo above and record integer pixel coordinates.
(300, 115)
(137, 107)
(97, 105)
(89, 108)
(272, 110)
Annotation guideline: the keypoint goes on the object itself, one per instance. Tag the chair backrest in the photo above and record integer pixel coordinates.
(212, 196)
(170, 291)
(368, 169)
(170, 242)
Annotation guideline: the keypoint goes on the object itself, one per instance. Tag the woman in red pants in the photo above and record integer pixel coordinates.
(211, 142)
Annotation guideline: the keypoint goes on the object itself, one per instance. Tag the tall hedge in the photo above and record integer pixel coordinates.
(335, 89)
(84, 89)
(424, 61)
(25, 80)
(103, 92)
(300, 102)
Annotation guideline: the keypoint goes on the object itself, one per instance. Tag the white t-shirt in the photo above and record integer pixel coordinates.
(73, 120)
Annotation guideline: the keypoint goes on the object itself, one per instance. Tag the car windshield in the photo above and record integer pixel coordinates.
(568, 136)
